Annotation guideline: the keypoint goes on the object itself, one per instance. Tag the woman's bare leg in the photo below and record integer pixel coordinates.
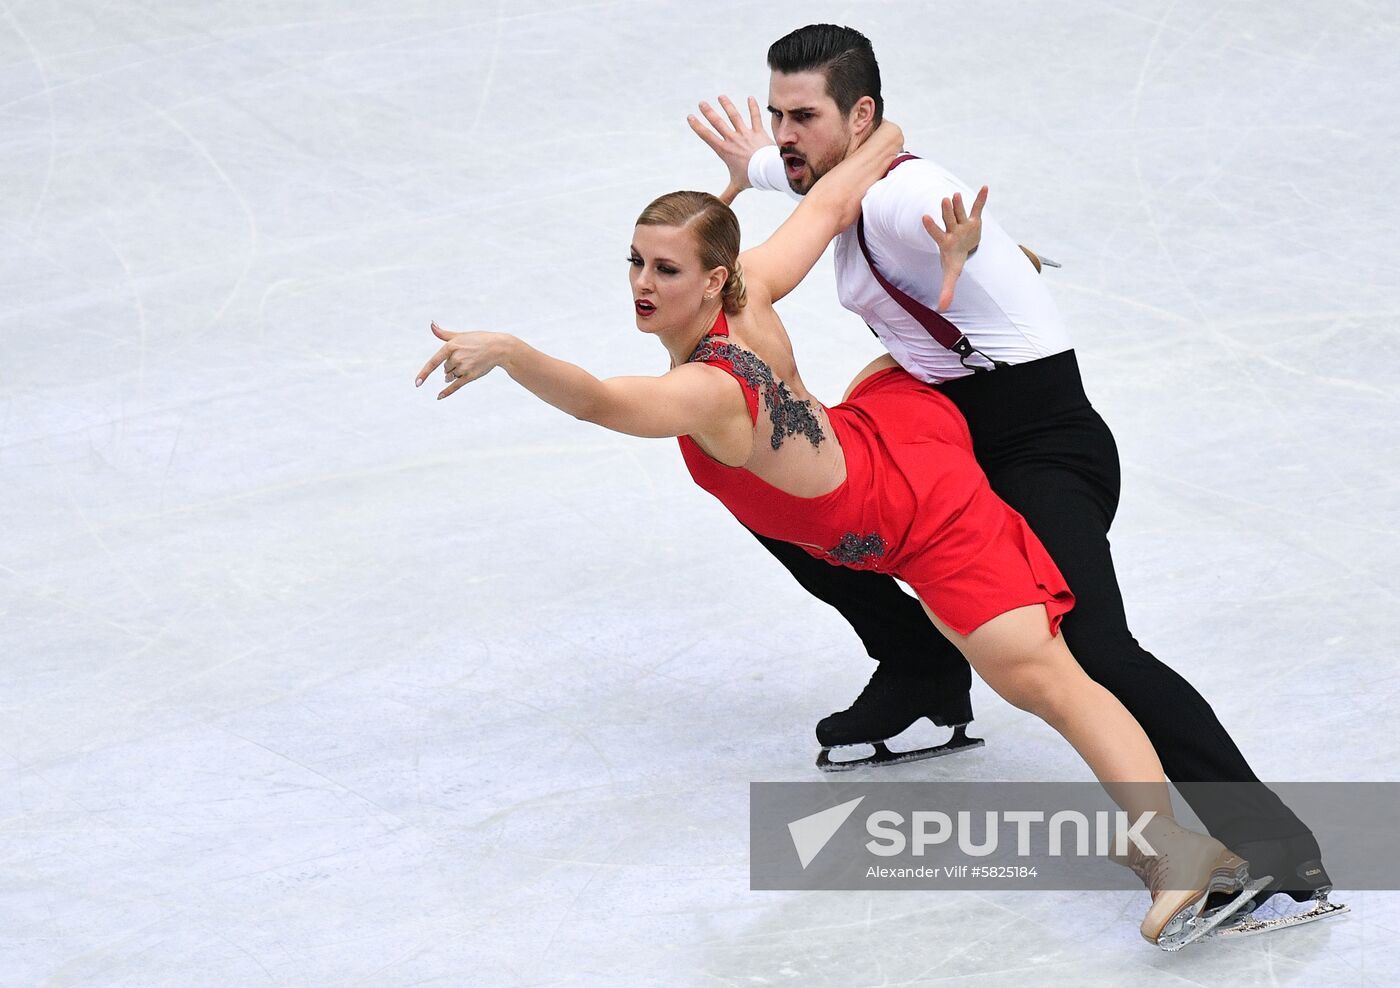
(1016, 655)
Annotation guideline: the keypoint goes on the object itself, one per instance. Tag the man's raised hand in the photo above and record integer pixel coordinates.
(733, 140)
(956, 240)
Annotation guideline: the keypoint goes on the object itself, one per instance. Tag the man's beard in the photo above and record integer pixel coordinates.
(809, 174)
(803, 183)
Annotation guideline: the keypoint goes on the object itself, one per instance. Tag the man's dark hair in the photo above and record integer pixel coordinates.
(843, 54)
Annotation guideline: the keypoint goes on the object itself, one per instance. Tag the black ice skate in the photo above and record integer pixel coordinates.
(888, 706)
(1298, 896)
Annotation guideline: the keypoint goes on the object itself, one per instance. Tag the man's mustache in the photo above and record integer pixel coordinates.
(785, 151)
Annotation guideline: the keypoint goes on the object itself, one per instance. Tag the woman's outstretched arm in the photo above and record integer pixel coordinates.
(775, 266)
(692, 398)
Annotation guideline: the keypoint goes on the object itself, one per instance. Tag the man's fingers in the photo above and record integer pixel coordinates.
(959, 213)
(933, 230)
(703, 132)
(736, 121)
(979, 202)
(716, 121)
(755, 115)
(439, 332)
(949, 218)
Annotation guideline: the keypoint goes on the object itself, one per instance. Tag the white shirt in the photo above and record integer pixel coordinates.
(999, 302)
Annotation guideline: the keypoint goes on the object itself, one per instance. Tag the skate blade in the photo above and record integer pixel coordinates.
(1187, 929)
(1248, 926)
(883, 756)
(1049, 263)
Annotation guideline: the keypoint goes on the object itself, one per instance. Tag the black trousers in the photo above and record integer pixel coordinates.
(1050, 456)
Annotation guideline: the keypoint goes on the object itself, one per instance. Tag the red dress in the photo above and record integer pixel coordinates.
(915, 503)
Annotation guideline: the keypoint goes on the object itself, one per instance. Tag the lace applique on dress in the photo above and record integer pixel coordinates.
(854, 550)
(791, 416)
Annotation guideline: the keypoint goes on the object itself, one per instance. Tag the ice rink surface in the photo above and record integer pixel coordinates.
(309, 679)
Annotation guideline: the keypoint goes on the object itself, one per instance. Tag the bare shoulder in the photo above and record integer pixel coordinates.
(709, 390)
(756, 325)
(762, 333)
(697, 375)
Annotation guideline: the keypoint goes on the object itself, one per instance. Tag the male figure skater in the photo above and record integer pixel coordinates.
(1000, 351)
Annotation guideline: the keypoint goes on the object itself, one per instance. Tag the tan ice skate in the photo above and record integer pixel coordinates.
(1037, 259)
(1186, 870)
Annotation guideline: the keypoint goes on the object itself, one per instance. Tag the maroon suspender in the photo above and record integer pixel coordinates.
(947, 335)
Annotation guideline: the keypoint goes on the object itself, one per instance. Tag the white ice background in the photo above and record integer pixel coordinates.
(309, 679)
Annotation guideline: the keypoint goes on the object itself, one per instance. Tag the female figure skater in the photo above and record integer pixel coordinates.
(886, 480)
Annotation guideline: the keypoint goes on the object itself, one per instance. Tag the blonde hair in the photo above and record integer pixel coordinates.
(716, 231)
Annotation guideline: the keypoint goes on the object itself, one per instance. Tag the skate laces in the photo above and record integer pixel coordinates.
(1151, 871)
